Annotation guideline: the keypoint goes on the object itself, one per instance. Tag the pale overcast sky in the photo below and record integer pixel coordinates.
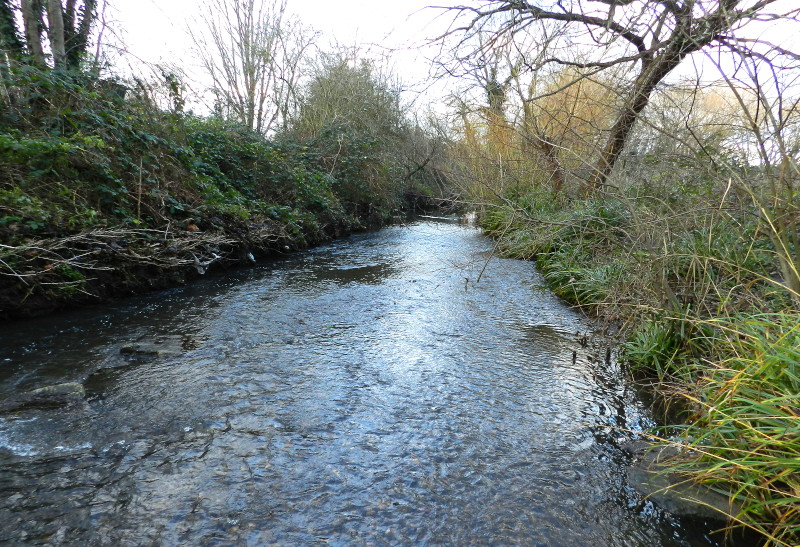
(152, 25)
(155, 31)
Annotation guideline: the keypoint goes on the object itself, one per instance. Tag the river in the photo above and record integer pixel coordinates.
(400, 387)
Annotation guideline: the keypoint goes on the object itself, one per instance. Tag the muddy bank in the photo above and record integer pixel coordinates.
(41, 275)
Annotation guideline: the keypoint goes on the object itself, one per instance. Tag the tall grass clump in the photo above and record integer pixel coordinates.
(664, 349)
(744, 431)
(585, 249)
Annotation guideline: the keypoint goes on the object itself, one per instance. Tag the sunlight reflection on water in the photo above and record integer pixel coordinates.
(369, 391)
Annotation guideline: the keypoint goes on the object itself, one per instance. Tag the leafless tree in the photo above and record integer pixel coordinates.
(253, 52)
(767, 142)
(544, 124)
(652, 37)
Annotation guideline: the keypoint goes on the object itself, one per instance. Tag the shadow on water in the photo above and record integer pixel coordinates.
(369, 391)
(372, 274)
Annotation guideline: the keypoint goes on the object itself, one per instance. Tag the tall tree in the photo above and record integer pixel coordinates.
(11, 42)
(79, 20)
(653, 37)
(69, 27)
(253, 53)
(32, 22)
(55, 30)
(351, 93)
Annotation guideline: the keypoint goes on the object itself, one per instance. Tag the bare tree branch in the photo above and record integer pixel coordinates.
(654, 36)
(254, 55)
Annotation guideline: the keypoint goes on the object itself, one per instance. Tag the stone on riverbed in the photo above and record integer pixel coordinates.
(55, 396)
(671, 492)
(162, 346)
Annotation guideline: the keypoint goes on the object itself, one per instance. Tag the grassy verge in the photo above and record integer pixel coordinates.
(708, 327)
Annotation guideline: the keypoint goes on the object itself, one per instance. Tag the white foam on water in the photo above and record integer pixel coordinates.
(7, 443)
(18, 449)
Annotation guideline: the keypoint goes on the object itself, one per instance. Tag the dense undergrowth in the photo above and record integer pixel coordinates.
(102, 192)
(695, 287)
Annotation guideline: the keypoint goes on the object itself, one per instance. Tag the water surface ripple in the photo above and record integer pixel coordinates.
(372, 391)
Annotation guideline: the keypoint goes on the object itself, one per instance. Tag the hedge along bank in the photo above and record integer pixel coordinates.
(102, 193)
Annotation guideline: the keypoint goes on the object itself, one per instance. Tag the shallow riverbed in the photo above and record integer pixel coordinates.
(396, 387)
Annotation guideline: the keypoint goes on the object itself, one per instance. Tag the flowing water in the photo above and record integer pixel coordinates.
(392, 388)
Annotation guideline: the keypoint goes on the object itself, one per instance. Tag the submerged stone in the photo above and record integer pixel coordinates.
(159, 347)
(673, 493)
(55, 396)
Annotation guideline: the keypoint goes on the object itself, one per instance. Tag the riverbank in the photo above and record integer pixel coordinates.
(95, 265)
(104, 192)
(708, 329)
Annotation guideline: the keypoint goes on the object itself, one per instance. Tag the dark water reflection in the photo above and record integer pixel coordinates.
(370, 391)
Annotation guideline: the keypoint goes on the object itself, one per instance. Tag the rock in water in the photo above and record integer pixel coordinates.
(55, 396)
(162, 346)
(678, 498)
(651, 477)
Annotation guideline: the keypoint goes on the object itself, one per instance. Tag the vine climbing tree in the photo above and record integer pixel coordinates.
(46, 32)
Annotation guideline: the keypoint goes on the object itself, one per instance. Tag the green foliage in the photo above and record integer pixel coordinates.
(353, 96)
(351, 126)
(734, 251)
(667, 347)
(353, 162)
(569, 246)
(69, 273)
(582, 286)
(77, 146)
(231, 155)
(746, 429)
(20, 207)
(74, 154)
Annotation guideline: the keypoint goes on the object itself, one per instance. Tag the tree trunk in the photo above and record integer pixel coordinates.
(682, 42)
(651, 75)
(540, 142)
(55, 18)
(77, 32)
(10, 41)
(69, 17)
(32, 19)
(550, 153)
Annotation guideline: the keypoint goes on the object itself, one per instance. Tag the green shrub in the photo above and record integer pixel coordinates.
(667, 347)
